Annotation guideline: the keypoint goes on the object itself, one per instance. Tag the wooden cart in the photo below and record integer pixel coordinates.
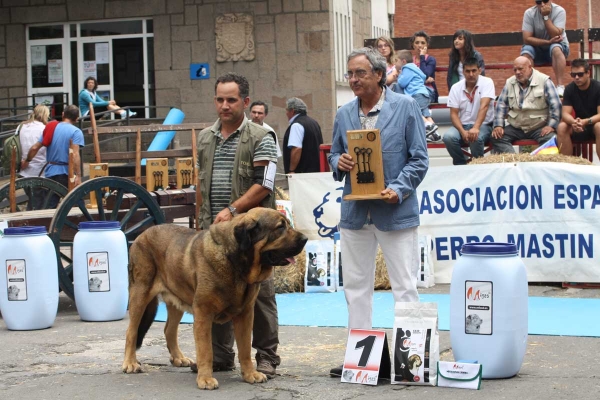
(112, 198)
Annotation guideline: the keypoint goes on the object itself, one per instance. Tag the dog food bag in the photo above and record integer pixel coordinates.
(338, 274)
(318, 276)
(285, 207)
(416, 344)
(425, 278)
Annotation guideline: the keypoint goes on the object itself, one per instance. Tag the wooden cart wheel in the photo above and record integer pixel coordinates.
(143, 213)
(44, 187)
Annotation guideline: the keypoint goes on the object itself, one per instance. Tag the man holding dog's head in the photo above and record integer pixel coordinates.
(392, 221)
(237, 159)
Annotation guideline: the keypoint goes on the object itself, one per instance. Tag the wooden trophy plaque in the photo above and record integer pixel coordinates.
(97, 170)
(184, 168)
(157, 174)
(367, 180)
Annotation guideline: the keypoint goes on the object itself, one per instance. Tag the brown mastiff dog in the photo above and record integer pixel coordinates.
(213, 274)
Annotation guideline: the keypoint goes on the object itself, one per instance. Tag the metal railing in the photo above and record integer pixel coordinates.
(14, 108)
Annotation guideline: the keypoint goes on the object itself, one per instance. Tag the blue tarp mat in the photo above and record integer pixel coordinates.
(547, 315)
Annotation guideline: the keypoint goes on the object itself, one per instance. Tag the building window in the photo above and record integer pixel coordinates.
(46, 32)
(342, 25)
(111, 28)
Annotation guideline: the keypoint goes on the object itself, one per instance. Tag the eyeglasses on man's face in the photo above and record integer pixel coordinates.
(538, 2)
(359, 73)
(577, 74)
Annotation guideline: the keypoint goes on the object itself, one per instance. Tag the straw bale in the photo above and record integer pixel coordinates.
(526, 157)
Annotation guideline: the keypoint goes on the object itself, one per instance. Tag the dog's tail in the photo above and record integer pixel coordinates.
(147, 320)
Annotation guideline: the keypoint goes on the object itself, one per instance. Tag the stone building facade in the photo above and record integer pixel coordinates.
(293, 40)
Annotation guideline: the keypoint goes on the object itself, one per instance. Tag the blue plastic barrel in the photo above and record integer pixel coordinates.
(162, 139)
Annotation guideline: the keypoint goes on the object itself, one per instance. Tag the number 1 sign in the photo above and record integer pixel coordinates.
(367, 356)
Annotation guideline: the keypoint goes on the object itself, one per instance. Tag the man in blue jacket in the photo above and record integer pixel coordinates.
(392, 221)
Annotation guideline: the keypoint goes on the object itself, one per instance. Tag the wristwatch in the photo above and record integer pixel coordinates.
(546, 17)
(590, 121)
(232, 210)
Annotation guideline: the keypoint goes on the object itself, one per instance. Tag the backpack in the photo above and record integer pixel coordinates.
(9, 143)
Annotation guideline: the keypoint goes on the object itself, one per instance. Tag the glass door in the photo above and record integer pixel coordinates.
(96, 61)
(48, 68)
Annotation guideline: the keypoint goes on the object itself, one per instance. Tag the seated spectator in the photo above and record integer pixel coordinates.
(385, 46)
(472, 116)
(531, 106)
(544, 38)
(29, 134)
(411, 81)
(582, 96)
(419, 43)
(463, 47)
(88, 95)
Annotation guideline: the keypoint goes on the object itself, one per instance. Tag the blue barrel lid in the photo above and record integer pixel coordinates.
(100, 225)
(25, 230)
(492, 249)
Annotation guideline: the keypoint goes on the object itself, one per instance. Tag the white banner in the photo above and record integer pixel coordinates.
(551, 210)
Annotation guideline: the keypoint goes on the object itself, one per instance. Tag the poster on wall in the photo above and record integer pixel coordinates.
(38, 55)
(89, 69)
(102, 53)
(55, 71)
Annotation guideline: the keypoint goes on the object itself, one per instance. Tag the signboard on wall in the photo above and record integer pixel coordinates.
(89, 69)
(199, 71)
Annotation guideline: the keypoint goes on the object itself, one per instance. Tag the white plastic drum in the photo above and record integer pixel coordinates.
(29, 282)
(100, 276)
(488, 308)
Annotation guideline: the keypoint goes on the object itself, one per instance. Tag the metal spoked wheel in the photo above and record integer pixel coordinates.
(42, 188)
(138, 213)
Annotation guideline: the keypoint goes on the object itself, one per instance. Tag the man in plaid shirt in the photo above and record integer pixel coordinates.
(530, 105)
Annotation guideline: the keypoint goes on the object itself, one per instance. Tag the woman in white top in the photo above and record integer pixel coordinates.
(30, 133)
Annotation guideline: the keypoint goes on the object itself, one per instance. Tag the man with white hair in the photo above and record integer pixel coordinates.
(392, 220)
(302, 139)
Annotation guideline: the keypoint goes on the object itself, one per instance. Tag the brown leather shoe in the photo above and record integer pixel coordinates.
(266, 367)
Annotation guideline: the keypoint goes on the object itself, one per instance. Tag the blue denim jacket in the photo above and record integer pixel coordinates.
(405, 162)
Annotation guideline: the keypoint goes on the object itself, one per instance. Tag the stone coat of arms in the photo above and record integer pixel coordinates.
(235, 37)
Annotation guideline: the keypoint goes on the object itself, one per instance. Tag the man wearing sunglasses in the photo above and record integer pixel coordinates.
(583, 97)
(544, 38)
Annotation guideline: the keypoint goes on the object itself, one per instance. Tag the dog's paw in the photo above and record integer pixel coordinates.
(182, 362)
(207, 382)
(132, 367)
(254, 377)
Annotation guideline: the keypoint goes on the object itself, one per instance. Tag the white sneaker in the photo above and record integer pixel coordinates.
(131, 113)
(561, 90)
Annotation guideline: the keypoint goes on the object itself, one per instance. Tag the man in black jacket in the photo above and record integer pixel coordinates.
(302, 139)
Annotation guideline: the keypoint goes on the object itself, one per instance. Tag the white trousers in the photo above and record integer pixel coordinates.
(359, 249)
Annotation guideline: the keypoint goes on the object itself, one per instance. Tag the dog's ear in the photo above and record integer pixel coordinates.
(245, 232)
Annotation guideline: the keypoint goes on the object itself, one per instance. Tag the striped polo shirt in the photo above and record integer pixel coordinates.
(222, 171)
